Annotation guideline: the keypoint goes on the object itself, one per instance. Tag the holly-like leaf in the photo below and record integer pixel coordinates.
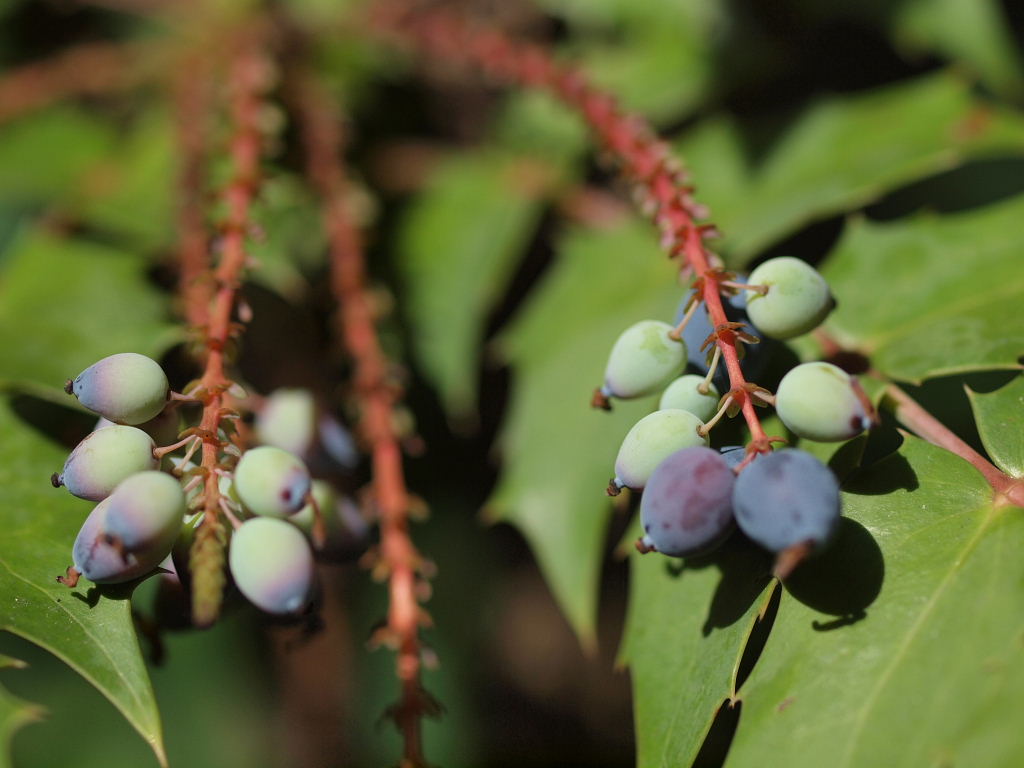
(685, 635)
(15, 713)
(458, 245)
(64, 304)
(900, 646)
(841, 154)
(972, 32)
(88, 628)
(1000, 419)
(944, 292)
(558, 452)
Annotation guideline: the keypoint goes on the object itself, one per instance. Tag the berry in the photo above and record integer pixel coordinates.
(652, 439)
(287, 420)
(683, 394)
(797, 300)
(346, 529)
(271, 481)
(272, 564)
(733, 455)
(819, 401)
(163, 428)
(785, 499)
(105, 458)
(686, 508)
(126, 388)
(104, 562)
(754, 356)
(642, 360)
(146, 511)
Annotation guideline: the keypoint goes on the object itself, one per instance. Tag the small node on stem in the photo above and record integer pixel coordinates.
(55, 480)
(70, 577)
(789, 558)
(644, 545)
(69, 387)
(183, 398)
(600, 400)
(615, 487)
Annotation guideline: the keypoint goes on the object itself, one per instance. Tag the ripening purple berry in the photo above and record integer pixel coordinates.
(271, 481)
(126, 388)
(272, 564)
(105, 458)
(102, 561)
(686, 508)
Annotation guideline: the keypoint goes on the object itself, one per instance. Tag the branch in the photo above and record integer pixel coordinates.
(89, 69)
(248, 80)
(642, 159)
(377, 395)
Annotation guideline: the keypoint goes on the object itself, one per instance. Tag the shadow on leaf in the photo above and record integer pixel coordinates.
(844, 579)
(64, 425)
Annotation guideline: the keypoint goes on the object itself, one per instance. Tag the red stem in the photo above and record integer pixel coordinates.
(377, 397)
(247, 80)
(642, 159)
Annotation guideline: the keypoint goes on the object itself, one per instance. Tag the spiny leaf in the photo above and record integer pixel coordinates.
(89, 628)
(15, 713)
(1000, 419)
(558, 452)
(841, 154)
(902, 645)
(77, 302)
(943, 292)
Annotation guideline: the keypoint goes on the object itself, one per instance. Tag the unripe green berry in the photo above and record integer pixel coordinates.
(643, 358)
(650, 441)
(797, 300)
(818, 401)
(105, 458)
(684, 394)
(146, 512)
(126, 388)
(272, 564)
(287, 420)
(271, 481)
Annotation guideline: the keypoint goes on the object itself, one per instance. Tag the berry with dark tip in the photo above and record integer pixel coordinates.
(105, 458)
(126, 388)
(271, 481)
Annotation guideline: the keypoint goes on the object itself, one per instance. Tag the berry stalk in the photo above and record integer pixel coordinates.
(643, 160)
(377, 396)
(247, 81)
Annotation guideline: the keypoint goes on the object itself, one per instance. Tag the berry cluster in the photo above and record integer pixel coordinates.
(693, 495)
(151, 502)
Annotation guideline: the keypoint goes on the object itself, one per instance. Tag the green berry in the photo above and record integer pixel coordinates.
(797, 300)
(271, 481)
(643, 358)
(818, 401)
(126, 388)
(105, 458)
(650, 441)
(684, 394)
(272, 564)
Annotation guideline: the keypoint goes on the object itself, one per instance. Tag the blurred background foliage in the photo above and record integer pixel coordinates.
(882, 139)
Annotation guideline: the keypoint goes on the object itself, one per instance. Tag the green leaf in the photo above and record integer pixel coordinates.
(656, 55)
(87, 628)
(44, 155)
(943, 292)
(928, 672)
(129, 191)
(841, 154)
(685, 635)
(1000, 419)
(972, 32)
(458, 246)
(15, 713)
(558, 452)
(65, 304)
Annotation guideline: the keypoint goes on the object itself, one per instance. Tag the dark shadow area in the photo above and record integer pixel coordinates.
(974, 185)
(848, 457)
(883, 440)
(715, 747)
(811, 242)
(844, 579)
(64, 425)
(852, 362)
(758, 637)
(890, 474)
(945, 399)
(745, 571)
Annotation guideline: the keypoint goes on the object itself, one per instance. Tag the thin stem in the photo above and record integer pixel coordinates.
(910, 413)
(706, 428)
(247, 81)
(377, 397)
(716, 357)
(677, 332)
(641, 157)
